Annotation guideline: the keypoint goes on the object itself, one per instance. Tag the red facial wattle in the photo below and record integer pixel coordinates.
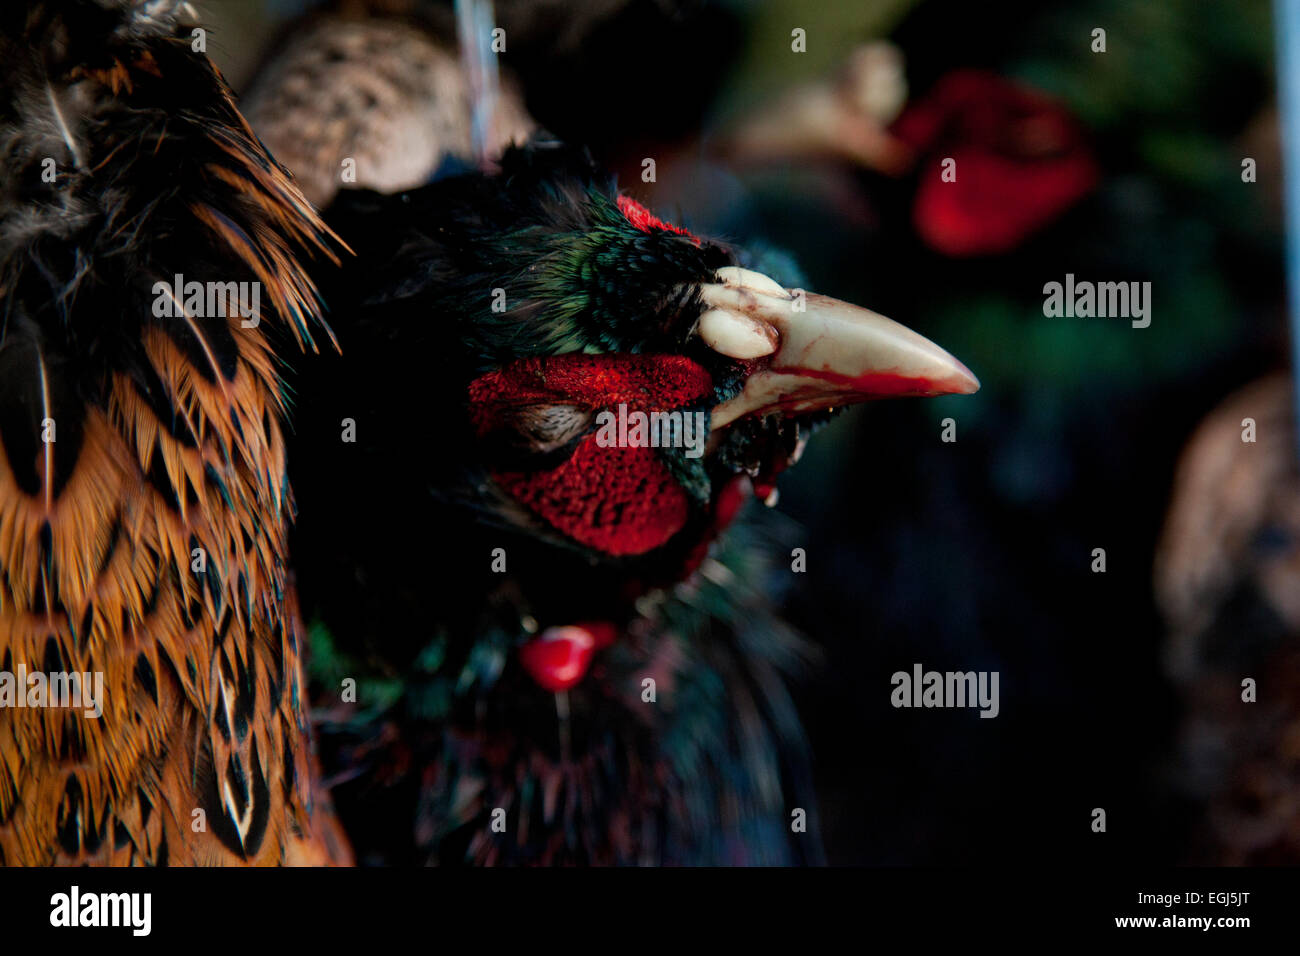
(617, 500)
(621, 501)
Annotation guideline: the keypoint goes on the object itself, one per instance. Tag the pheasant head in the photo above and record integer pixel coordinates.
(615, 373)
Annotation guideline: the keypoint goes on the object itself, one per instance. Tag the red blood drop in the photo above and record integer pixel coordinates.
(559, 657)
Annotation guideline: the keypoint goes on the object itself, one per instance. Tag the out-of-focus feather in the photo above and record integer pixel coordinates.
(386, 94)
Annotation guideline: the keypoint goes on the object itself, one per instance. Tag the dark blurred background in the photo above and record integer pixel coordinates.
(1122, 165)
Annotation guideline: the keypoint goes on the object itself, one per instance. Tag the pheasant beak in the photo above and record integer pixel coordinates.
(812, 352)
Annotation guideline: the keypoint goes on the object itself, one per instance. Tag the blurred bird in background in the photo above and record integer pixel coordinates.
(388, 92)
(1228, 582)
(144, 499)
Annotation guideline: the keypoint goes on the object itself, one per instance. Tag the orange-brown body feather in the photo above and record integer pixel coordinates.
(154, 551)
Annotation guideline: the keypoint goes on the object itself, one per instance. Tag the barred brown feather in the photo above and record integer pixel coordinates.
(168, 439)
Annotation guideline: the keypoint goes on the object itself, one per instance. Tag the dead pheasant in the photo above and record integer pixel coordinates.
(144, 507)
(557, 655)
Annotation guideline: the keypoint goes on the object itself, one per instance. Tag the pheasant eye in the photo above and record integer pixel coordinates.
(546, 432)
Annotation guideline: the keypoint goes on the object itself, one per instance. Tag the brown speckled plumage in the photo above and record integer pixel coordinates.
(383, 92)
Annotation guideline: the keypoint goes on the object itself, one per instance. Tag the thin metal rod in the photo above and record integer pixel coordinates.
(1286, 20)
(474, 25)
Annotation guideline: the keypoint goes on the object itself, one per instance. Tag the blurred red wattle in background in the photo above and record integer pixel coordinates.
(1020, 161)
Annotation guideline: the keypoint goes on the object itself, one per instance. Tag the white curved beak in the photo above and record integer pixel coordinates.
(823, 352)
